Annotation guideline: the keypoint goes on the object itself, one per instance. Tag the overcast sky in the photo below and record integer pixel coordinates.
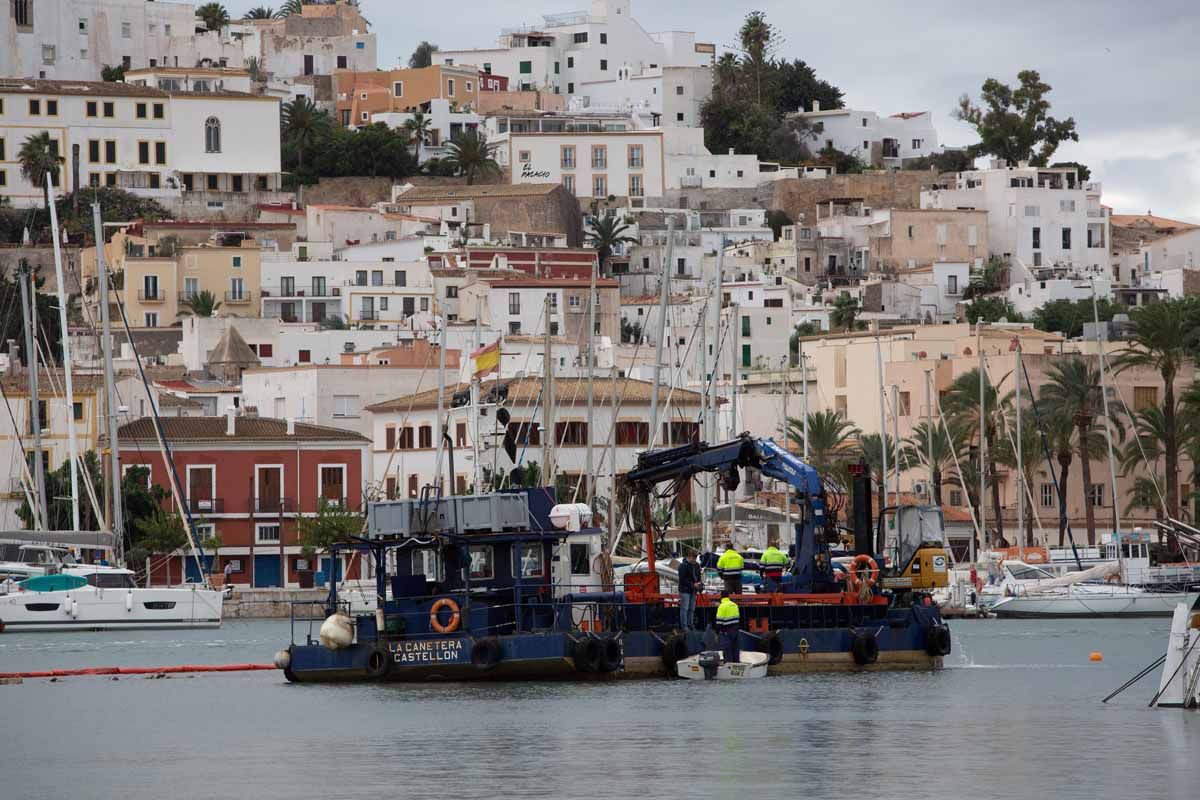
(1127, 72)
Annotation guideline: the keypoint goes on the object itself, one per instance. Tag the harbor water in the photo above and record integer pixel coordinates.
(1016, 713)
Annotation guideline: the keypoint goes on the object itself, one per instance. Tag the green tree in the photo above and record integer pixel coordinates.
(260, 12)
(795, 85)
(418, 127)
(213, 15)
(758, 38)
(961, 405)
(605, 234)
(936, 446)
(1015, 124)
(471, 154)
(991, 279)
(58, 497)
(1060, 438)
(871, 449)
(112, 74)
(303, 125)
(1068, 316)
(203, 304)
(39, 157)
(332, 523)
(952, 160)
(1024, 472)
(422, 56)
(844, 163)
(1164, 339)
(334, 322)
(829, 437)
(160, 532)
(291, 7)
(991, 309)
(11, 327)
(1081, 170)
(845, 312)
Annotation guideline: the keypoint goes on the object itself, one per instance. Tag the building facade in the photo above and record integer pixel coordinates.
(877, 141)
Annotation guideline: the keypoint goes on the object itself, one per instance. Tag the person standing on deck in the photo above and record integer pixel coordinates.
(729, 619)
(730, 566)
(690, 581)
(773, 562)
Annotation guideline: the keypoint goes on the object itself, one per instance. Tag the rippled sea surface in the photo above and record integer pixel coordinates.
(1015, 714)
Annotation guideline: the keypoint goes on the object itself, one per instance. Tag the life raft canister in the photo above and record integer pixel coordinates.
(455, 616)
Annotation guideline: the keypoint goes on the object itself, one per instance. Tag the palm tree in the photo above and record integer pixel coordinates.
(962, 406)
(254, 68)
(845, 312)
(829, 437)
(213, 15)
(1026, 470)
(260, 12)
(1072, 391)
(1060, 438)
(1164, 338)
(291, 7)
(39, 157)
(418, 127)
(472, 155)
(934, 449)
(303, 125)
(203, 304)
(112, 74)
(606, 234)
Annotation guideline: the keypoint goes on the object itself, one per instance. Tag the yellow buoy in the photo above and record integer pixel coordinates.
(1096, 656)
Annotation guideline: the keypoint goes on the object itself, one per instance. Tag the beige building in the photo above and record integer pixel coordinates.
(918, 237)
(362, 94)
(156, 278)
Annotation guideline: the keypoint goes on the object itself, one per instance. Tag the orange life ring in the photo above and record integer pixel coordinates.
(455, 616)
(860, 561)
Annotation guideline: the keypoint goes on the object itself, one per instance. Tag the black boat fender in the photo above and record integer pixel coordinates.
(674, 649)
(864, 648)
(379, 663)
(772, 645)
(937, 641)
(588, 655)
(486, 653)
(611, 655)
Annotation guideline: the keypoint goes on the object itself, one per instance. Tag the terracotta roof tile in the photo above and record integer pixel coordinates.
(523, 393)
(212, 429)
(427, 194)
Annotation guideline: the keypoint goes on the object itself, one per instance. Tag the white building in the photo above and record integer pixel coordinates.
(1038, 216)
(445, 124)
(879, 141)
(180, 148)
(671, 96)
(570, 51)
(589, 165)
(928, 294)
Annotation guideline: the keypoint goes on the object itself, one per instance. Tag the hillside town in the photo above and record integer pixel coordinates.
(324, 278)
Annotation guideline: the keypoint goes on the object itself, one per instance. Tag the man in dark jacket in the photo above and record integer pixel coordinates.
(690, 581)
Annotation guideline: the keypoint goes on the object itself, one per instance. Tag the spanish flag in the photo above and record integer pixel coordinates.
(487, 359)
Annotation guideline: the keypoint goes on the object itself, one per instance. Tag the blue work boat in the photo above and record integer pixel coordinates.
(510, 586)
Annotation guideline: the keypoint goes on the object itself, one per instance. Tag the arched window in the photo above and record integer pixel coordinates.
(212, 135)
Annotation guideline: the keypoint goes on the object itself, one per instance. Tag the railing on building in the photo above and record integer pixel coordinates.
(151, 297)
(239, 298)
(206, 505)
(274, 505)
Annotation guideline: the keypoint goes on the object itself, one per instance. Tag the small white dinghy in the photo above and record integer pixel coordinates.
(710, 665)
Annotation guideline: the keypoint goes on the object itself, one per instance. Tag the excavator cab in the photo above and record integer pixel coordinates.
(916, 548)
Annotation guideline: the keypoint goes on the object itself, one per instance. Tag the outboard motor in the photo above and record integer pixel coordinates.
(710, 662)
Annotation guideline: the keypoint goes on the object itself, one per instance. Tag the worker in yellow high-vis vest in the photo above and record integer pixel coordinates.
(728, 625)
(730, 566)
(773, 562)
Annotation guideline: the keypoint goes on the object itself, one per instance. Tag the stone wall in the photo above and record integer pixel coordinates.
(357, 191)
(41, 258)
(556, 212)
(273, 603)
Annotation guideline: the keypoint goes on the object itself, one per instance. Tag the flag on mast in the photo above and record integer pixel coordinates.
(487, 359)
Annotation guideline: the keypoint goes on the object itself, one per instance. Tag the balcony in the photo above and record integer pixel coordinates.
(205, 505)
(274, 505)
(318, 293)
(239, 298)
(152, 296)
(368, 314)
(691, 182)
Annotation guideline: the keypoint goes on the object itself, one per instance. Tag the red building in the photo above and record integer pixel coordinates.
(492, 83)
(539, 262)
(248, 479)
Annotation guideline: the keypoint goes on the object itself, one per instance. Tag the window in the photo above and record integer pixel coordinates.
(603, 64)
(304, 357)
(1047, 495)
(568, 182)
(110, 151)
(581, 37)
(1066, 238)
(383, 304)
(599, 157)
(599, 186)
(635, 155)
(633, 433)
(526, 67)
(570, 88)
(35, 108)
(514, 303)
(530, 563)
(345, 405)
(524, 156)
(425, 562)
(237, 261)
(635, 186)
(425, 437)
(212, 182)
(332, 480)
(580, 558)
(266, 533)
(341, 62)
(451, 292)
(450, 87)
(917, 144)
(1033, 211)
(159, 112)
(951, 284)
(143, 152)
(126, 30)
(904, 404)
(140, 110)
(567, 157)
(1037, 238)
(571, 433)
(110, 109)
(1145, 397)
(482, 566)
(212, 135)
(1096, 494)
(110, 179)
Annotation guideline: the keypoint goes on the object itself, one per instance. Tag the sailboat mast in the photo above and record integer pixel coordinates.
(1020, 463)
(27, 317)
(1112, 469)
(591, 387)
(117, 522)
(664, 286)
(441, 406)
(982, 442)
(883, 472)
(934, 491)
(548, 401)
(72, 443)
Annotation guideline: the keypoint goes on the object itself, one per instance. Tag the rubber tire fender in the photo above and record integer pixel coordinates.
(588, 655)
(938, 641)
(674, 649)
(379, 663)
(486, 654)
(611, 655)
(864, 649)
(772, 645)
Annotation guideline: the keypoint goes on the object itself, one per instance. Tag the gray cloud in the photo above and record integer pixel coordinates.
(1127, 72)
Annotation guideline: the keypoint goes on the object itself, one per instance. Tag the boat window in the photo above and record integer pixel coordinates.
(1027, 573)
(425, 562)
(580, 563)
(159, 605)
(531, 560)
(41, 606)
(107, 580)
(482, 564)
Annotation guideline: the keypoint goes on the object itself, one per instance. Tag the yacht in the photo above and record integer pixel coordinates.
(1029, 591)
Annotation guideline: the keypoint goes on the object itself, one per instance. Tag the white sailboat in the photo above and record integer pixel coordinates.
(1027, 591)
(1179, 686)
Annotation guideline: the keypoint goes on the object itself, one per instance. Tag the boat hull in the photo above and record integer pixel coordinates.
(93, 609)
(1148, 604)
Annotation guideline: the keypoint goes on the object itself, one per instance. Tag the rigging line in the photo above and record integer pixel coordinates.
(958, 469)
(373, 489)
(27, 482)
(1136, 437)
(1022, 481)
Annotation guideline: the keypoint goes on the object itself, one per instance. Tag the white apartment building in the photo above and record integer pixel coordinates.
(626, 164)
(445, 124)
(879, 141)
(671, 96)
(570, 51)
(1042, 217)
(179, 148)
(517, 305)
(405, 455)
(928, 294)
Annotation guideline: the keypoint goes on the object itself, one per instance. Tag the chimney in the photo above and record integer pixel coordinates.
(230, 421)
(291, 426)
(816, 105)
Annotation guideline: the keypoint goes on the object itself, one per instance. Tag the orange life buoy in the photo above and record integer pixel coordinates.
(852, 574)
(455, 616)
